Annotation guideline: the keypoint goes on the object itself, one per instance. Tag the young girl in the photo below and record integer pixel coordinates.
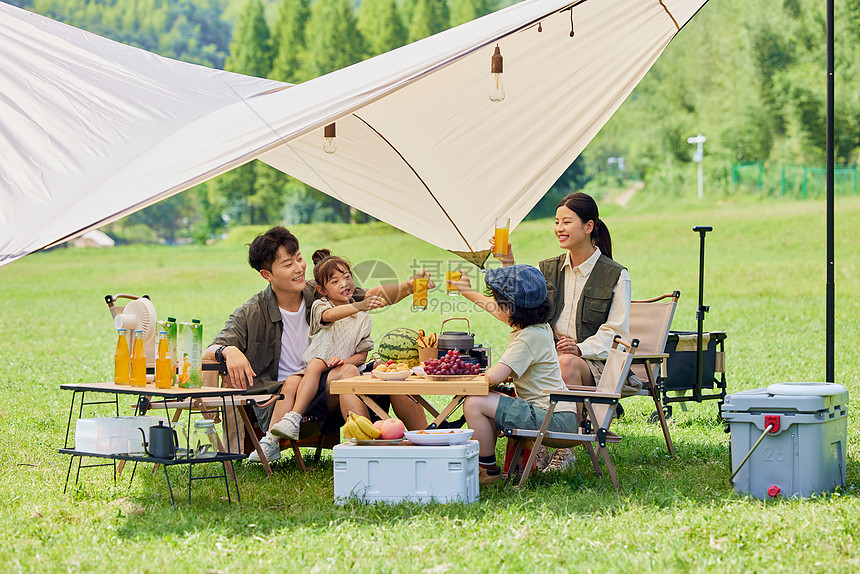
(519, 299)
(340, 337)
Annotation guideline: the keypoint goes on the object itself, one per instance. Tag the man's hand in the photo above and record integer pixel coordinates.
(370, 302)
(567, 346)
(238, 368)
(508, 258)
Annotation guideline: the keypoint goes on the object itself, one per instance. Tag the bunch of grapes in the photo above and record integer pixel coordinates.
(450, 364)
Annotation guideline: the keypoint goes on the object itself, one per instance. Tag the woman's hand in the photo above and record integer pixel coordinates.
(567, 346)
(369, 303)
(508, 258)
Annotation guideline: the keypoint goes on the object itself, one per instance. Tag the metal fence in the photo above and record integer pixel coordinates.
(792, 180)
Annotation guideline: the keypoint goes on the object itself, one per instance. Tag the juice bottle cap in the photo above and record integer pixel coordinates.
(121, 330)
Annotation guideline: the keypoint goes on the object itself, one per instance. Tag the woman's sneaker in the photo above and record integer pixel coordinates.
(288, 426)
(271, 447)
(562, 458)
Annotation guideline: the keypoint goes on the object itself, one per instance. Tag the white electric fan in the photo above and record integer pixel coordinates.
(138, 314)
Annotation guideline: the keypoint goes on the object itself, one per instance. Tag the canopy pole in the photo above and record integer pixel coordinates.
(831, 291)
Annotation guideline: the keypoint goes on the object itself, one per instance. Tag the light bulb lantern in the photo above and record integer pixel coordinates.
(497, 88)
(330, 133)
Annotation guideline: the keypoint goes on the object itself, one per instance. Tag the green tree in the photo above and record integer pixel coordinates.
(250, 48)
(380, 24)
(428, 17)
(333, 42)
(288, 41)
(463, 11)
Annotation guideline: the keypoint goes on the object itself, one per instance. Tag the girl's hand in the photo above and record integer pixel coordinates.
(423, 274)
(334, 362)
(508, 258)
(567, 346)
(371, 302)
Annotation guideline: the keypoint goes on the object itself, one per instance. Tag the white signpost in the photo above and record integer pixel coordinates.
(698, 156)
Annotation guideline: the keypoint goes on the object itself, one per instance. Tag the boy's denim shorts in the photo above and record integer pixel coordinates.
(516, 413)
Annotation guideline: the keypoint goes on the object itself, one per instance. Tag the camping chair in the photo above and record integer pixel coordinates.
(599, 403)
(650, 321)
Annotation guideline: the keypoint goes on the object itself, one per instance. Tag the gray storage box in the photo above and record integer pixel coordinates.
(805, 454)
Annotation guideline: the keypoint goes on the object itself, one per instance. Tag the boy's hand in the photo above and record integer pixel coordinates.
(508, 258)
(371, 302)
(462, 284)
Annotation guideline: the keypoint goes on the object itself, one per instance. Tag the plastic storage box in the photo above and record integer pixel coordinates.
(804, 453)
(113, 435)
(406, 473)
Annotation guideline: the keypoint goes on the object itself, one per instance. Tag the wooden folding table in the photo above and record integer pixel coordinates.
(414, 387)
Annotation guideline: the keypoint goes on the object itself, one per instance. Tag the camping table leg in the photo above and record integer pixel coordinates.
(427, 406)
(374, 406)
(652, 387)
(455, 402)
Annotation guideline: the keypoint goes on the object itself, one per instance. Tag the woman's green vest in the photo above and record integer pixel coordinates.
(592, 309)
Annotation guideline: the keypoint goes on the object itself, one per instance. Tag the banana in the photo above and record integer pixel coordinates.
(354, 428)
(347, 430)
(366, 427)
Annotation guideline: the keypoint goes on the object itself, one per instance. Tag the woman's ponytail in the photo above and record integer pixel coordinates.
(600, 237)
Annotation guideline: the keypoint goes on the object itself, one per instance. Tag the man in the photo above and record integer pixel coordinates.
(263, 341)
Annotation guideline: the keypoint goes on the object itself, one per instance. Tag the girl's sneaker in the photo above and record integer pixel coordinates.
(288, 426)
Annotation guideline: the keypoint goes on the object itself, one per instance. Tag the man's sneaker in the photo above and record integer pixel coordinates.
(486, 478)
(542, 458)
(288, 426)
(562, 458)
(271, 448)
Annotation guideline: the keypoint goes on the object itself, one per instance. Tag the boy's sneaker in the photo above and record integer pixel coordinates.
(562, 458)
(485, 477)
(271, 448)
(288, 426)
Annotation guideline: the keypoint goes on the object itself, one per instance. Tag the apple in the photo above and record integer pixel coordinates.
(378, 425)
(392, 429)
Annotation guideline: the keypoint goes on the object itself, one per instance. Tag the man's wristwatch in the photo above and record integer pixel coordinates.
(219, 354)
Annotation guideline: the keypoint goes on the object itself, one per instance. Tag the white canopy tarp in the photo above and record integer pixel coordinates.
(92, 130)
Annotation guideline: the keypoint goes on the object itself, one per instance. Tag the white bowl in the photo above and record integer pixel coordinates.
(392, 376)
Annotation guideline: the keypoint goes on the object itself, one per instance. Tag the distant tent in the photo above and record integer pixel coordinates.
(92, 130)
(93, 238)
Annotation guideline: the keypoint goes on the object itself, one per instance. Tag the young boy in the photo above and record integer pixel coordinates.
(519, 299)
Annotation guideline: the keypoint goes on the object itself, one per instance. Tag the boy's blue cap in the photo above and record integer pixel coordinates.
(522, 285)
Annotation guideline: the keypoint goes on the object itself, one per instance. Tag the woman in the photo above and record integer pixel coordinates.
(590, 292)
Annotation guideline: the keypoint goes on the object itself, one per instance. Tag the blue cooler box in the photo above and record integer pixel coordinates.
(396, 473)
(804, 454)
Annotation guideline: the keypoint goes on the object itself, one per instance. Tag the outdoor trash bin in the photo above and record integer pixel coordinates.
(805, 451)
(397, 473)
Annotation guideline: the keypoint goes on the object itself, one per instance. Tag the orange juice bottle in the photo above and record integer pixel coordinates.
(121, 360)
(138, 361)
(163, 363)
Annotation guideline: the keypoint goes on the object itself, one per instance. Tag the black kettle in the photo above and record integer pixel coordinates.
(462, 341)
(163, 441)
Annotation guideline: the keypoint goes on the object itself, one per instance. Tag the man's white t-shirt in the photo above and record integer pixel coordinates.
(294, 340)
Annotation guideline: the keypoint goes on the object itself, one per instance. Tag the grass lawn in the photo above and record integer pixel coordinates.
(765, 279)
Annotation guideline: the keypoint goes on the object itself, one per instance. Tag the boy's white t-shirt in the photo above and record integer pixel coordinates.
(532, 357)
(294, 340)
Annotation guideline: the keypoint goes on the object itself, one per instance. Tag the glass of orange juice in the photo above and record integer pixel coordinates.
(452, 275)
(503, 225)
(419, 293)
